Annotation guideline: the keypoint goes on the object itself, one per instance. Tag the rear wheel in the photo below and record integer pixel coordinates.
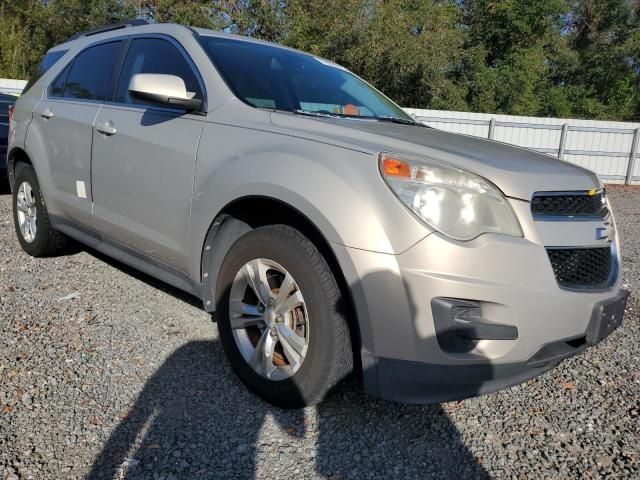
(278, 317)
(31, 218)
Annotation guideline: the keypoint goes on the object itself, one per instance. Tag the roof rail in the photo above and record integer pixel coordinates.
(107, 28)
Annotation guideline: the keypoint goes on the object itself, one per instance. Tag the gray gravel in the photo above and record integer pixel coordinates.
(107, 373)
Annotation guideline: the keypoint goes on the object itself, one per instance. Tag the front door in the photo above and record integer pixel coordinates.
(144, 159)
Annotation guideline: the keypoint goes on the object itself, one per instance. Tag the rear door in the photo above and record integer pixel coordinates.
(144, 158)
(63, 121)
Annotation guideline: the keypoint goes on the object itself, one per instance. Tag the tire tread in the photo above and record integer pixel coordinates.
(340, 325)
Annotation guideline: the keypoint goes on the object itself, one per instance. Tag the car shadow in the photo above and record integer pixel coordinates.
(188, 423)
(193, 419)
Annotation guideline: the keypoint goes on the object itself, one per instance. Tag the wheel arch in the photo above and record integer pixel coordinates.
(15, 156)
(246, 213)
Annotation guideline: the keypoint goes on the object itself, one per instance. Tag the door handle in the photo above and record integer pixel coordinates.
(106, 128)
(47, 113)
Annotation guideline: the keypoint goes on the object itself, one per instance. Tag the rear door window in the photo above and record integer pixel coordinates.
(154, 55)
(92, 71)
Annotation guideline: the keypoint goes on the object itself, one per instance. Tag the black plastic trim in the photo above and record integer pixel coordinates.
(603, 287)
(222, 234)
(459, 325)
(414, 382)
(601, 214)
(557, 351)
(479, 329)
(607, 316)
(136, 22)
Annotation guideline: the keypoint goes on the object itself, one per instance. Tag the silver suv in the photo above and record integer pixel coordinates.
(327, 230)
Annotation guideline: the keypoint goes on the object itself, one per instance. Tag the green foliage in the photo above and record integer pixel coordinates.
(196, 13)
(566, 58)
(265, 19)
(404, 47)
(604, 80)
(28, 28)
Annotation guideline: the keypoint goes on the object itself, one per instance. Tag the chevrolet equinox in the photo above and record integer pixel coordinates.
(326, 228)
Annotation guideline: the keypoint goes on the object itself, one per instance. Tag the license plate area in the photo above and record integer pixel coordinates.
(607, 316)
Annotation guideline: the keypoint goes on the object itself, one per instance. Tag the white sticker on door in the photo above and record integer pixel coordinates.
(80, 188)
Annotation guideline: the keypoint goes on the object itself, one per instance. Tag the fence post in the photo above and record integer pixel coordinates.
(563, 141)
(492, 126)
(632, 156)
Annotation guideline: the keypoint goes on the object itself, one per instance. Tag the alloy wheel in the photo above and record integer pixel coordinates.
(27, 212)
(269, 319)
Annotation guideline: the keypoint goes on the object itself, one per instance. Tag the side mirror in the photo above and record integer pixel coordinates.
(163, 89)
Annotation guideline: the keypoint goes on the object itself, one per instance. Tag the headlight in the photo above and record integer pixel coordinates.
(457, 203)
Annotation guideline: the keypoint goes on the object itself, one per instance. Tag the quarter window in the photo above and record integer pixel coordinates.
(91, 73)
(47, 62)
(57, 87)
(154, 55)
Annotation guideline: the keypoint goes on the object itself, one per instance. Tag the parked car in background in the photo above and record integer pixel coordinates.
(323, 225)
(5, 102)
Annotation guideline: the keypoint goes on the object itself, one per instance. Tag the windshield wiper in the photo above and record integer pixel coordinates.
(317, 114)
(401, 121)
(381, 118)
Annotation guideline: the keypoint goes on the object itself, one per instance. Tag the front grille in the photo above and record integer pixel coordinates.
(581, 267)
(570, 204)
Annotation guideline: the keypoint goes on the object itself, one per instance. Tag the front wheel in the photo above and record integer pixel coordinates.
(278, 317)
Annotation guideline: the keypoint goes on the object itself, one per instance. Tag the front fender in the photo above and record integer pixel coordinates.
(339, 190)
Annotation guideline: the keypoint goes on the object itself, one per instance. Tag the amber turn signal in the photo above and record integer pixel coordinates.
(392, 167)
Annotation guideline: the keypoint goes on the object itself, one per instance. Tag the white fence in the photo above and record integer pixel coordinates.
(11, 86)
(608, 148)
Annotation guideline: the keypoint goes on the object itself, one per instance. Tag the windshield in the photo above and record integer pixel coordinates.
(270, 77)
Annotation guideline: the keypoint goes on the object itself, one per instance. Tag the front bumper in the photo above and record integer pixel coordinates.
(413, 382)
(510, 278)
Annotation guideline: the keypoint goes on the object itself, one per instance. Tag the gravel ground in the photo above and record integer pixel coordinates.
(107, 373)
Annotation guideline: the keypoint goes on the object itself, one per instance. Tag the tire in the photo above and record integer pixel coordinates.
(45, 241)
(328, 355)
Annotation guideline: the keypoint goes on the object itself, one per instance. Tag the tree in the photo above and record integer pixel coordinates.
(265, 19)
(563, 58)
(511, 54)
(256, 18)
(22, 37)
(195, 13)
(604, 80)
(28, 28)
(407, 48)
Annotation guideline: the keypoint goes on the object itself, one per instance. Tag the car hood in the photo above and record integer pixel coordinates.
(518, 172)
